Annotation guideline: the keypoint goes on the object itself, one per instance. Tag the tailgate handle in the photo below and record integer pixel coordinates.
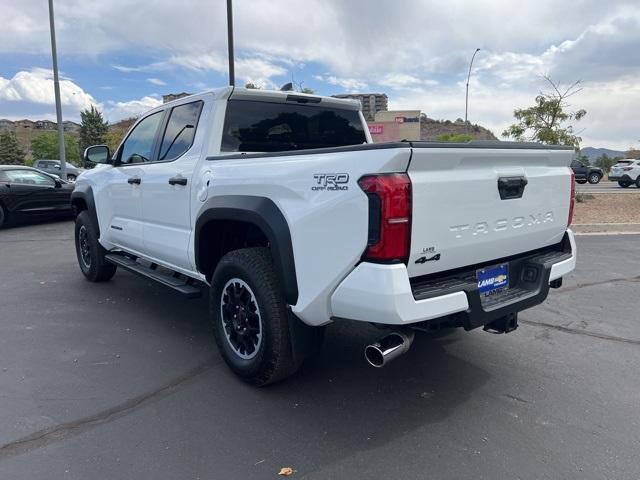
(511, 187)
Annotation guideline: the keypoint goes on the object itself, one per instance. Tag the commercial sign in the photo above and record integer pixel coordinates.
(376, 129)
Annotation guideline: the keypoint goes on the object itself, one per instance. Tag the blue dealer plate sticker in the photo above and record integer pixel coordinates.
(493, 278)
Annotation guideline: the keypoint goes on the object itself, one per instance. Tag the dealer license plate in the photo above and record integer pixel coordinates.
(493, 279)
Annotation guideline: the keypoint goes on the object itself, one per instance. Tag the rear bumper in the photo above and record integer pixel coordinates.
(623, 178)
(384, 294)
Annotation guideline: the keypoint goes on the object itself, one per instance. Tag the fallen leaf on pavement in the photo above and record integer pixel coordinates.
(286, 471)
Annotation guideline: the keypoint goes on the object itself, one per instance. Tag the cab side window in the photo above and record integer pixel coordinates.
(139, 145)
(180, 131)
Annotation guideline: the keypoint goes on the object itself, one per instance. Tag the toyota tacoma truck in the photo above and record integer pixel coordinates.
(281, 208)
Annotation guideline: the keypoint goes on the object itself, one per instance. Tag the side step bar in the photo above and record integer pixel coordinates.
(178, 284)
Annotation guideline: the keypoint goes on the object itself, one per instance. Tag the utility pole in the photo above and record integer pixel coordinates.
(466, 103)
(232, 73)
(56, 88)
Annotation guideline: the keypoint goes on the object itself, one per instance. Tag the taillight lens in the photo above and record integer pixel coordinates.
(572, 200)
(626, 169)
(389, 216)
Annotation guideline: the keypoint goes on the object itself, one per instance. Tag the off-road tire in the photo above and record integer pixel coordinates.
(92, 262)
(624, 184)
(272, 358)
(594, 178)
(638, 181)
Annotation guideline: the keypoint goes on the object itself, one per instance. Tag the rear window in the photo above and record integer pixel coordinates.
(252, 126)
(624, 163)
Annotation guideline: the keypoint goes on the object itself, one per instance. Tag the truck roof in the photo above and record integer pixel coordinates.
(277, 96)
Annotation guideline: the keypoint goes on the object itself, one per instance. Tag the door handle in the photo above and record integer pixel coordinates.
(133, 180)
(177, 181)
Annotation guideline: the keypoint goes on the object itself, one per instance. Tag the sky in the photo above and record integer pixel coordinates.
(122, 55)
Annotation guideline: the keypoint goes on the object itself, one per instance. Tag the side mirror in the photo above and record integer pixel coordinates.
(97, 154)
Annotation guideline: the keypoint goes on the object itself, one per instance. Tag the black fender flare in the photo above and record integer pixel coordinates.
(85, 193)
(264, 214)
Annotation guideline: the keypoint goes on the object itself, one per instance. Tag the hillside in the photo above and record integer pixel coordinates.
(431, 129)
(592, 153)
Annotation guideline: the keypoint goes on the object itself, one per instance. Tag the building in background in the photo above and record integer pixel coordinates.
(170, 97)
(372, 103)
(394, 125)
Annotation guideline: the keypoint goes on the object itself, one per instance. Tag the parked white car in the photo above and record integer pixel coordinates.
(626, 172)
(282, 205)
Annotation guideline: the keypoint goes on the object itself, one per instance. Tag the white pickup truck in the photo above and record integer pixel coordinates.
(282, 205)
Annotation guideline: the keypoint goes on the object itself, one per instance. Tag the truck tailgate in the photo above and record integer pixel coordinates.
(467, 209)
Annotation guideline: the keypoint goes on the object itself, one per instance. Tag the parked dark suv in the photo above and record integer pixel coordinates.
(586, 173)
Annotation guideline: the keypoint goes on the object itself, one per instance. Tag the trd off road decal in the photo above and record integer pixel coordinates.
(330, 181)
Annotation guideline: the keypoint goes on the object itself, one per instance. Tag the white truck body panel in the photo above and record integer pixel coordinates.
(458, 212)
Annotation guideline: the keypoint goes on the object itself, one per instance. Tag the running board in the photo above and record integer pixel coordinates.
(172, 281)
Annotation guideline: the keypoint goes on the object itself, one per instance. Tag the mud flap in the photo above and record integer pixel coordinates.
(306, 341)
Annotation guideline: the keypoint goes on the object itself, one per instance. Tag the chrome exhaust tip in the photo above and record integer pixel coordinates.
(388, 348)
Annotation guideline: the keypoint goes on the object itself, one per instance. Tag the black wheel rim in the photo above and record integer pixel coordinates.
(241, 318)
(85, 249)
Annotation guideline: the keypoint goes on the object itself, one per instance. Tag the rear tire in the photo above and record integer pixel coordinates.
(594, 178)
(581, 182)
(249, 317)
(624, 184)
(638, 181)
(89, 251)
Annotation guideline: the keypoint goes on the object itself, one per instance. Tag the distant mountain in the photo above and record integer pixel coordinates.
(594, 153)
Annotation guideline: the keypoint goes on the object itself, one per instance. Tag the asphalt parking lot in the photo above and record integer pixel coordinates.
(605, 186)
(122, 380)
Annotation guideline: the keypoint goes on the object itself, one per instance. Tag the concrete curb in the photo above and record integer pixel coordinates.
(606, 228)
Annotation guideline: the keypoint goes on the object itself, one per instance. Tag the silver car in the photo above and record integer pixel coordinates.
(53, 167)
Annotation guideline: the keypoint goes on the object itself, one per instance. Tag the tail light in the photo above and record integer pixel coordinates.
(389, 216)
(626, 169)
(572, 200)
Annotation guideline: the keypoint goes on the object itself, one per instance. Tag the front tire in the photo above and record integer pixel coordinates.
(89, 251)
(638, 181)
(624, 184)
(249, 317)
(594, 178)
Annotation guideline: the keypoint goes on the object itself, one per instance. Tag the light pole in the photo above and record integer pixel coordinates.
(56, 89)
(466, 103)
(232, 73)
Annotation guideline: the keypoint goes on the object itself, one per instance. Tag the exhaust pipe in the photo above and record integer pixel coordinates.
(388, 348)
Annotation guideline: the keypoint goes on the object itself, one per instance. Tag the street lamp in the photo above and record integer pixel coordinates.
(466, 104)
(56, 90)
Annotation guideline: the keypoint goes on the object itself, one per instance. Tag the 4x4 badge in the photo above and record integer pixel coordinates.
(435, 258)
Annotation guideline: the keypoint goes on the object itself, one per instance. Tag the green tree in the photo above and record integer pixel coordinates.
(113, 137)
(605, 162)
(251, 86)
(10, 151)
(93, 128)
(46, 145)
(548, 121)
(307, 90)
(454, 137)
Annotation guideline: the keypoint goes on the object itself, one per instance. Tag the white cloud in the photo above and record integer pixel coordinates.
(345, 83)
(32, 91)
(115, 111)
(156, 81)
